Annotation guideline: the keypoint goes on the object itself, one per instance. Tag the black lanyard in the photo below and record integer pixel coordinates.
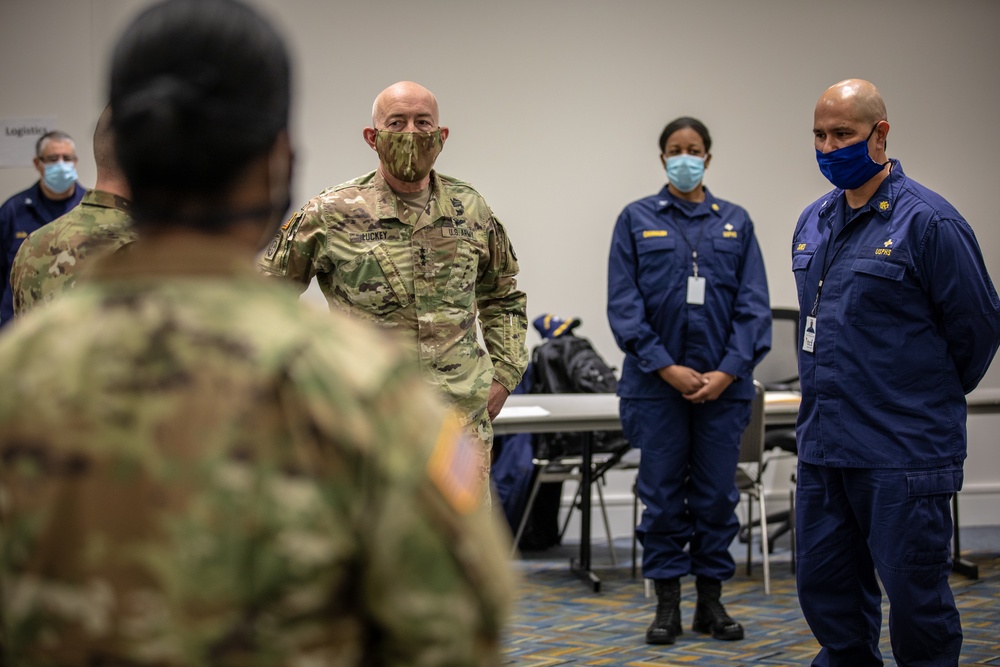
(836, 251)
(694, 248)
(829, 261)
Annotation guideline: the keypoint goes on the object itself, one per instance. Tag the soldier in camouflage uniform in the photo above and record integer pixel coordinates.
(418, 253)
(51, 258)
(206, 472)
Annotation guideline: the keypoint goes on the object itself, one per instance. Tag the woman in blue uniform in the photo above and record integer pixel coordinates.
(688, 304)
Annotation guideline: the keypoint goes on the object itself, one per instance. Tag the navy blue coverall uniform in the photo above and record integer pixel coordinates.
(687, 471)
(19, 216)
(906, 324)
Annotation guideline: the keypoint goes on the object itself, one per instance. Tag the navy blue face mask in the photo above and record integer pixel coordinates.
(849, 167)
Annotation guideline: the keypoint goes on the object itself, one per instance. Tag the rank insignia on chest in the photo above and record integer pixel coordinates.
(885, 250)
(728, 232)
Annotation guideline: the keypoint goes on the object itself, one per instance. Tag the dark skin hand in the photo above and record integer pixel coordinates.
(694, 386)
(498, 396)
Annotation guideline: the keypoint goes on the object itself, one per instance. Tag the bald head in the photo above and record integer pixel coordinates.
(404, 95)
(860, 99)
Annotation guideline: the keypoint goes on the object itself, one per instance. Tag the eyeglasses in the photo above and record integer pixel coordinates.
(52, 159)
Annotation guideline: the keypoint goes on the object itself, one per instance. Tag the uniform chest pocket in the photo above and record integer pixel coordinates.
(727, 260)
(801, 259)
(878, 290)
(372, 282)
(658, 262)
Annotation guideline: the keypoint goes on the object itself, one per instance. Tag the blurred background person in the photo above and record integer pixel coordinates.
(52, 257)
(56, 192)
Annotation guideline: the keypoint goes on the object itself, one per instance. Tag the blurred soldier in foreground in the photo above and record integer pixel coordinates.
(205, 472)
(51, 258)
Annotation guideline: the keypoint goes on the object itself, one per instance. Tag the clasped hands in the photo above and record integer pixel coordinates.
(694, 386)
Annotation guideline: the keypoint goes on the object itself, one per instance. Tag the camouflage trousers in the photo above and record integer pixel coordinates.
(481, 429)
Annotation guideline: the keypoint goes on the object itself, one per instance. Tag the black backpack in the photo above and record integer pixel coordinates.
(569, 364)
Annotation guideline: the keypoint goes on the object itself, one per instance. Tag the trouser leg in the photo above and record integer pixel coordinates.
(712, 496)
(481, 429)
(660, 429)
(910, 536)
(838, 591)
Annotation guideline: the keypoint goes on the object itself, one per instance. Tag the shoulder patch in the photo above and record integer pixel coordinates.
(273, 248)
(455, 467)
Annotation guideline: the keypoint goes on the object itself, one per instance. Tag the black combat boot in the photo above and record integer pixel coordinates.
(667, 624)
(710, 616)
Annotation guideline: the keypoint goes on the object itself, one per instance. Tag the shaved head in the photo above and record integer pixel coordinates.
(403, 92)
(109, 174)
(104, 144)
(859, 96)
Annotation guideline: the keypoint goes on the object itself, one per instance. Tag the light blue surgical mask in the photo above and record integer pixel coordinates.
(685, 171)
(60, 176)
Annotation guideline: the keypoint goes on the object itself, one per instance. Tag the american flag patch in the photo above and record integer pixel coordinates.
(456, 466)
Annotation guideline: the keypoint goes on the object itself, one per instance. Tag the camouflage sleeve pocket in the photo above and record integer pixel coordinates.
(461, 287)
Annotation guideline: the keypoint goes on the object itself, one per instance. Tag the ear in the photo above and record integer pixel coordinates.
(444, 134)
(881, 133)
(708, 158)
(39, 167)
(369, 136)
(663, 160)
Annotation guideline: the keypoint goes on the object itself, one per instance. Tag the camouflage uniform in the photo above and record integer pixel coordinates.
(51, 258)
(426, 276)
(205, 472)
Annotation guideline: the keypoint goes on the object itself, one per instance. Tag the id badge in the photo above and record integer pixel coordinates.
(696, 291)
(809, 338)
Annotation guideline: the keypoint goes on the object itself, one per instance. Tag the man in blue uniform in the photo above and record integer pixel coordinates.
(900, 320)
(55, 193)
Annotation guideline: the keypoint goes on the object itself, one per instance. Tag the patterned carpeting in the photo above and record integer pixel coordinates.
(558, 620)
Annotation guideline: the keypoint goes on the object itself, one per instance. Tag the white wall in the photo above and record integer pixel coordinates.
(555, 107)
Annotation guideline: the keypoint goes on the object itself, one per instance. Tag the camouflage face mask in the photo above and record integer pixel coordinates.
(409, 156)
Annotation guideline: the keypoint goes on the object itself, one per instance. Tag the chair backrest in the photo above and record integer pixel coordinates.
(752, 440)
(779, 370)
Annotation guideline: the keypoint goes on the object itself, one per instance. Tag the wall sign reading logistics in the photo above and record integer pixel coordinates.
(18, 137)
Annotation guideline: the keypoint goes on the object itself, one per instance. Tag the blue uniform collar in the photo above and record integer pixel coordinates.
(710, 205)
(33, 195)
(882, 202)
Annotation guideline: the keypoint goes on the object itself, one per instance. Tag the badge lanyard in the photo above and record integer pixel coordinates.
(809, 336)
(695, 283)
